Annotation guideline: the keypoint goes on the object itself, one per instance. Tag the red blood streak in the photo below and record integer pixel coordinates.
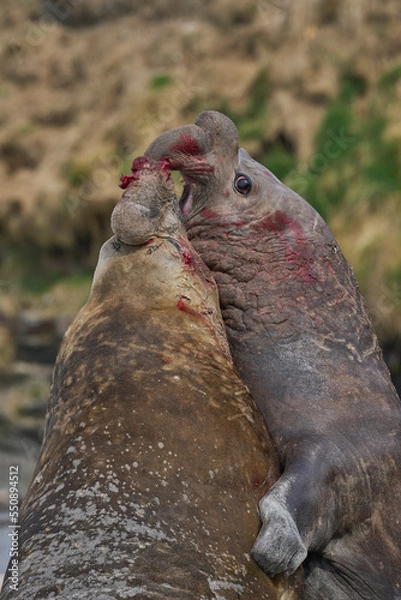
(187, 145)
(185, 308)
(125, 180)
(278, 221)
(165, 166)
(208, 213)
(141, 164)
(187, 257)
(294, 244)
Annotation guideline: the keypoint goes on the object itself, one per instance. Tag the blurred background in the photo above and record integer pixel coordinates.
(85, 85)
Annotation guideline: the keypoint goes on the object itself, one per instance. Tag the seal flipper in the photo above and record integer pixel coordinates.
(279, 547)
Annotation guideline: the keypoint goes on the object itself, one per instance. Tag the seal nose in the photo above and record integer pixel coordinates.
(184, 146)
(132, 221)
(206, 153)
(142, 210)
(221, 130)
(180, 145)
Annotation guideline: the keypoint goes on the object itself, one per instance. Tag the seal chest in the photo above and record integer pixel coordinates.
(154, 456)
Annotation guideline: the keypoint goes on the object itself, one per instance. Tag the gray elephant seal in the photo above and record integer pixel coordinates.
(154, 456)
(302, 341)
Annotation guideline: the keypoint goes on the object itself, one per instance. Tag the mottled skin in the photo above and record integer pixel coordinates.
(302, 341)
(154, 455)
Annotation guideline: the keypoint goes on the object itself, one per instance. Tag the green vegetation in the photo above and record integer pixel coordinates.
(75, 173)
(23, 266)
(252, 123)
(252, 120)
(353, 154)
(338, 144)
(28, 269)
(26, 127)
(160, 80)
(280, 159)
(390, 78)
(392, 281)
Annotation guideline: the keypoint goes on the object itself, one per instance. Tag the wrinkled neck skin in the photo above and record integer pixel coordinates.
(282, 277)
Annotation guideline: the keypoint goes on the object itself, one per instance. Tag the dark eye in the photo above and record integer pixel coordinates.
(243, 184)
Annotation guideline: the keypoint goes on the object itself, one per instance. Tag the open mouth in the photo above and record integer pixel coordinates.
(186, 199)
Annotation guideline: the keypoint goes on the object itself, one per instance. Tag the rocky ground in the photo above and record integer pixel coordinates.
(85, 86)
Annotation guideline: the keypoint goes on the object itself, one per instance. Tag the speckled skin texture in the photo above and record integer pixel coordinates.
(154, 456)
(302, 341)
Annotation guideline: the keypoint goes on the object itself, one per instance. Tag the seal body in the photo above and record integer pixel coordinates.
(302, 341)
(154, 455)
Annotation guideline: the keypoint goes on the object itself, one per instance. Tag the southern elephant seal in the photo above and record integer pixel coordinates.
(302, 341)
(154, 455)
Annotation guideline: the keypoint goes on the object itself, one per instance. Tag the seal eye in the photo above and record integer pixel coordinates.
(243, 184)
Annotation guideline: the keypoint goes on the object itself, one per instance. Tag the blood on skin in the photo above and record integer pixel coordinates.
(165, 166)
(267, 172)
(142, 163)
(208, 213)
(187, 145)
(187, 257)
(125, 180)
(185, 251)
(185, 308)
(295, 250)
(279, 221)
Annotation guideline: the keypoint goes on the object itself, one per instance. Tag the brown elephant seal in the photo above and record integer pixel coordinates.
(302, 341)
(154, 456)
